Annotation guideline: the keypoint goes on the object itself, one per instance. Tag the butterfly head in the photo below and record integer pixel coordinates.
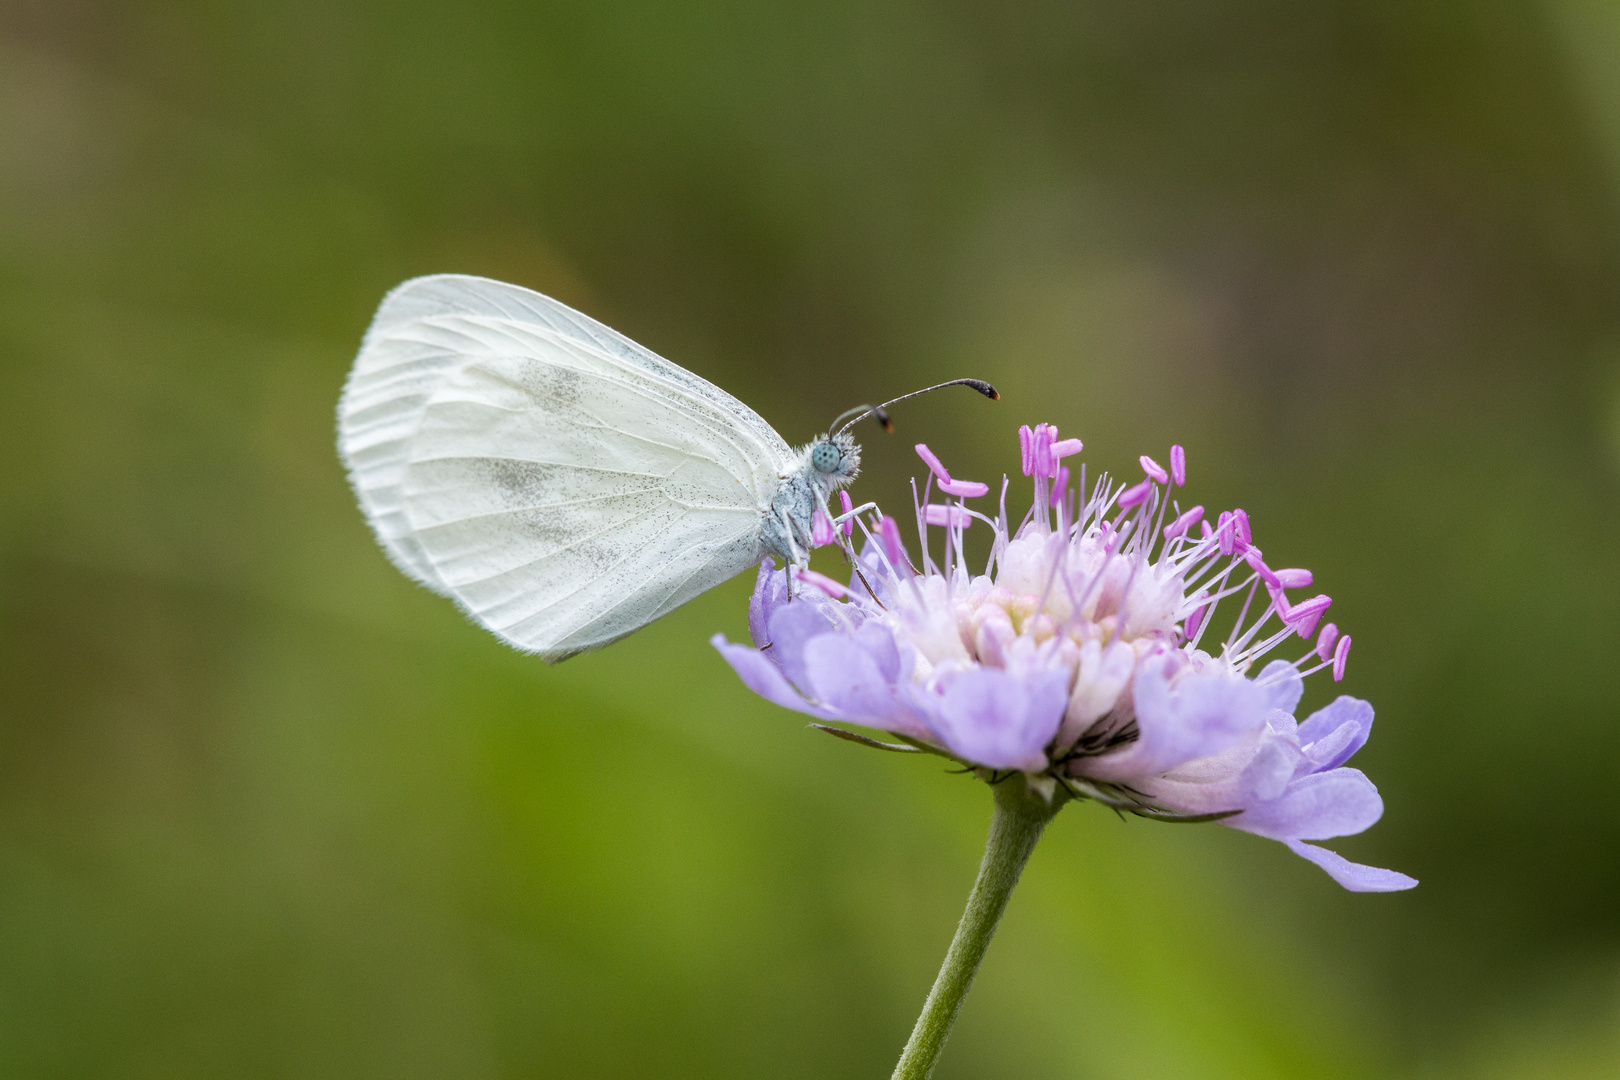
(832, 461)
(835, 459)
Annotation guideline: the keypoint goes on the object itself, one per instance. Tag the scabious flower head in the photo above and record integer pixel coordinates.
(1084, 655)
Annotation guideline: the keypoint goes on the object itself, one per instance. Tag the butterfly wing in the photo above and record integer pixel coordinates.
(560, 482)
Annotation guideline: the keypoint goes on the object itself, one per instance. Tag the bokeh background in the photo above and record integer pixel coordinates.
(269, 810)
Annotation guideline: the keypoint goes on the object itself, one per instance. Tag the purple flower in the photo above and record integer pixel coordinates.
(1083, 655)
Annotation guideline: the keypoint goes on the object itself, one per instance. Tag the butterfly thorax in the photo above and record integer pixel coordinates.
(820, 468)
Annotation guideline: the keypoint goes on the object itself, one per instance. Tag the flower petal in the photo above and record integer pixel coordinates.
(1208, 785)
(1353, 876)
(770, 593)
(1283, 685)
(791, 628)
(1267, 774)
(1254, 770)
(764, 678)
(1327, 724)
(1315, 807)
(846, 677)
(991, 718)
(1102, 678)
(1202, 715)
(1332, 750)
(879, 644)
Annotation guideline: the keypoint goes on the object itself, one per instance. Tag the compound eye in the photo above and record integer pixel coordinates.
(826, 458)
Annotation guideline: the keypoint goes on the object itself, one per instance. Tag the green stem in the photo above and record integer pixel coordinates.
(1019, 819)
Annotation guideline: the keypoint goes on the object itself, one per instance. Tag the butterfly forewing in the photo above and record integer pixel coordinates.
(563, 484)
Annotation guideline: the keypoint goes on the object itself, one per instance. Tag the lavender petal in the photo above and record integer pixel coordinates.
(791, 628)
(1316, 807)
(879, 644)
(1283, 685)
(1353, 876)
(846, 677)
(1326, 723)
(1201, 716)
(770, 593)
(764, 678)
(1268, 773)
(991, 718)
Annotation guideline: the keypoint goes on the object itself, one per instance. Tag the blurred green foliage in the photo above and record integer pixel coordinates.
(267, 809)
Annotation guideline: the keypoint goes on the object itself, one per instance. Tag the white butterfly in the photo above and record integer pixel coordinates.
(561, 483)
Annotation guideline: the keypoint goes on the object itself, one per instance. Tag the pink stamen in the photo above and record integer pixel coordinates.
(1252, 557)
(934, 464)
(848, 505)
(1133, 496)
(1178, 465)
(1240, 520)
(1307, 626)
(1226, 532)
(1315, 605)
(1295, 578)
(1060, 486)
(1109, 536)
(821, 529)
(1041, 450)
(1325, 640)
(1341, 656)
(824, 583)
(967, 489)
(1186, 521)
(1026, 449)
(949, 516)
(1195, 620)
(1204, 531)
(889, 533)
(1154, 469)
(1067, 447)
(1304, 616)
(1279, 600)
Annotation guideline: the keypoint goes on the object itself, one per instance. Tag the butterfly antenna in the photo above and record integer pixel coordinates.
(882, 417)
(880, 413)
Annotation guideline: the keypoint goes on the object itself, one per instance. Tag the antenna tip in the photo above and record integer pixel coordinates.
(983, 387)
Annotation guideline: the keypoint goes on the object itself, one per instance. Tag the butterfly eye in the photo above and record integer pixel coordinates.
(826, 457)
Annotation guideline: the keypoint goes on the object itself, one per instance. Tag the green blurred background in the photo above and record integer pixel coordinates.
(269, 810)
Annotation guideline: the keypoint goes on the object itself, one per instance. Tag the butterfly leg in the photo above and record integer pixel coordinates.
(798, 557)
(801, 557)
(847, 514)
